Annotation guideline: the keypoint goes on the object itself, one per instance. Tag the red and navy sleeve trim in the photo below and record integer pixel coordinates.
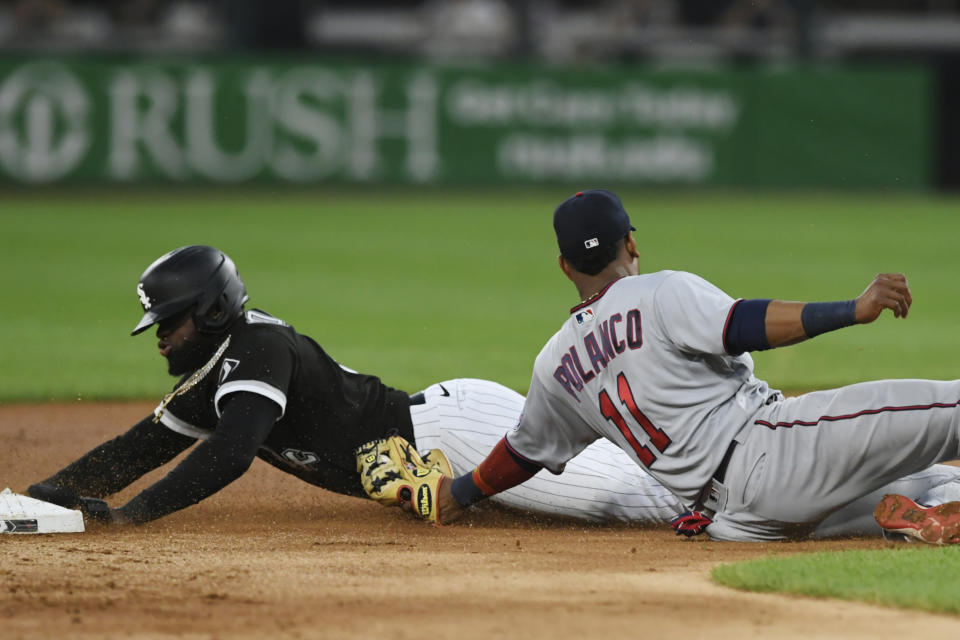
(502, 469)
(524, 463)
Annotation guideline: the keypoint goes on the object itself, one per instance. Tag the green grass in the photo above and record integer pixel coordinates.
(924, 578)
(421, 285)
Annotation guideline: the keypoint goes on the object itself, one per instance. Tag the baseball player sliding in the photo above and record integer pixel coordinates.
(658, 364)
(251, 386)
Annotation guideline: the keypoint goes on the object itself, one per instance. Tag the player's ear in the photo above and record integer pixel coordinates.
(565, 267)
(631, 246)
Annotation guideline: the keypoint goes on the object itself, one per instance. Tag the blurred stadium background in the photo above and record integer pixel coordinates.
(785, 93)
(383, 172)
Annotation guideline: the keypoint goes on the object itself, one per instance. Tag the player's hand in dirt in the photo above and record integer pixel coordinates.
(54, 494)
(448, 509)
(93, 509)
(119, 519)
(97, 510)
(887, 291)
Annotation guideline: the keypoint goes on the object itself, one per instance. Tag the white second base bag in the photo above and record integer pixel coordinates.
(23, 514)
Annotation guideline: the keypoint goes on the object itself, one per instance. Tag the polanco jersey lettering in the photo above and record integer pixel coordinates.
(643, 363)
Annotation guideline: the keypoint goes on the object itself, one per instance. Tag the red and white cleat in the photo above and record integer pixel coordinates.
(934, 525)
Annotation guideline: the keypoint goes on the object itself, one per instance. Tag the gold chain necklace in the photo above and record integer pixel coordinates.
(191, 382)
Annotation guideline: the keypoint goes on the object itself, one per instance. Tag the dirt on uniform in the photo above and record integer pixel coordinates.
(271, 556)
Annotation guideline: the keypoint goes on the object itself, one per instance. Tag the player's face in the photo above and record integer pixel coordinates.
(182, 345)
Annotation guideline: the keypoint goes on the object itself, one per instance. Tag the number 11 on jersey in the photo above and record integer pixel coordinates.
(658, 438)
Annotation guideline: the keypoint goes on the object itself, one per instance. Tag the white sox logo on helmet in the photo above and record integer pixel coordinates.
(144, 298)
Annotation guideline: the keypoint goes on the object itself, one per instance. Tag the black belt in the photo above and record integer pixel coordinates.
(721, 471)
(417, 398)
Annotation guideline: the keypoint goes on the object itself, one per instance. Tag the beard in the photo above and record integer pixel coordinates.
(192, 354)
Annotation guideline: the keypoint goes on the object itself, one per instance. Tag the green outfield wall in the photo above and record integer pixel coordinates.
(220, 120)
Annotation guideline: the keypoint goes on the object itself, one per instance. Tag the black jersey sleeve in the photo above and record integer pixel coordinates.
(117, 463)
(245, 422)
(262, 362)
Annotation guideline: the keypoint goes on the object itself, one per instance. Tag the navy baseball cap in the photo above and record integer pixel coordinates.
(587, 220)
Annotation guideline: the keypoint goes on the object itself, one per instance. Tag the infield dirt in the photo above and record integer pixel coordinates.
(271, 556)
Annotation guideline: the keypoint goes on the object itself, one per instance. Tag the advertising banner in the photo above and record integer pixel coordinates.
(223, 120)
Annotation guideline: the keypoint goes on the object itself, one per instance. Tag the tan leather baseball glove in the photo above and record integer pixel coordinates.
(394, 473)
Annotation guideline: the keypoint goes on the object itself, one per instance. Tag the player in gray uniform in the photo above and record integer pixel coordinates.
(658, 364)
(466, 418)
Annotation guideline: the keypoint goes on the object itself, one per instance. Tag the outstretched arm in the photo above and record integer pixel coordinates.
(246, 421)
(761, 324)
(115, 464)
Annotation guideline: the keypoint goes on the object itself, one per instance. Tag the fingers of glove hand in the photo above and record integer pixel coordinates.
(385, 485)
(378, 465)
(365, 448)
(437, 459)
(377, 470)
(403, 453)
(384, 477)
(369, 453)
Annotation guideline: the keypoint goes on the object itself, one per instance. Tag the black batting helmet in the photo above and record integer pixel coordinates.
(195, 275)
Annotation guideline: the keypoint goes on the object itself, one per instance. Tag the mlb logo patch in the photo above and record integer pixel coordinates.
(584, 316)
(591, 243)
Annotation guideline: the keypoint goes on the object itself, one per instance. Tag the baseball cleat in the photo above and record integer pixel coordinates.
(939, 524)
(893, 536)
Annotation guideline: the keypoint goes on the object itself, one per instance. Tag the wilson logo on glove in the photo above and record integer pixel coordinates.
(425, 501)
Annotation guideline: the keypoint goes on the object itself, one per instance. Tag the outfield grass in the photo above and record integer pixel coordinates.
(912, 577)
(422, 285)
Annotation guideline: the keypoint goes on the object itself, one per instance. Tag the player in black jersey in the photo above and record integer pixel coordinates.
(260, 389)
(252, 386)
